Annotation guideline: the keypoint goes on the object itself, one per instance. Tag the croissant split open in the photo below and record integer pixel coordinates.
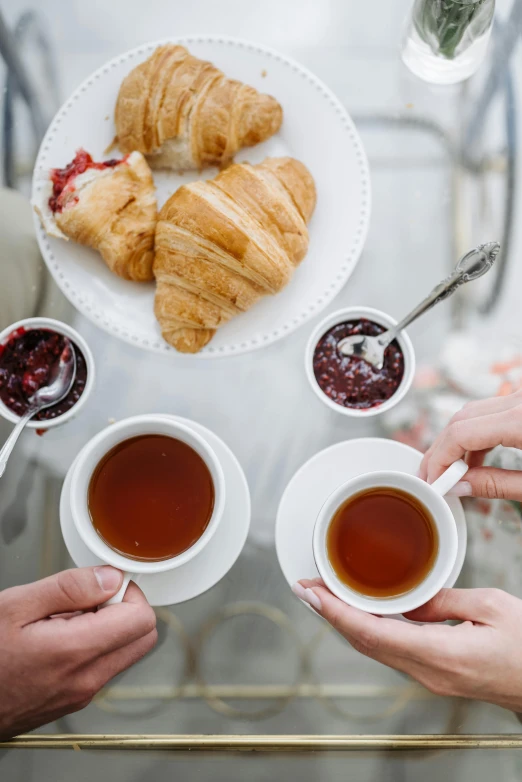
(223, 244)
(184, 113)
(109, 206)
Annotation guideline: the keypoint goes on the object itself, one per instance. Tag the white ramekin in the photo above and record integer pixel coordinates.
(72, 334)
(354, 313)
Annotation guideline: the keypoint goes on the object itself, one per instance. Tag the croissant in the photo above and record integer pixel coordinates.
(109, 206)
(183, 113)
(223, 244)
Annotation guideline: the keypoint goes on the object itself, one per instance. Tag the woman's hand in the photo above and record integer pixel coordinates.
(472, 432)
(53, 657)
(479, 658)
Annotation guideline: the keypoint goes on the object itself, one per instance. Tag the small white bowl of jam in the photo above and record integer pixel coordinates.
(28, 351)
(348, 384)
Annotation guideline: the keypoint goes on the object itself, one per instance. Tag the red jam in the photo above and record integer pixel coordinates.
(27, 361)
(351, 381)
(62, 178)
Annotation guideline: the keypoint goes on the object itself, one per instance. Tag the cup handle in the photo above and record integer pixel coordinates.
(448, 479)
(120, 594)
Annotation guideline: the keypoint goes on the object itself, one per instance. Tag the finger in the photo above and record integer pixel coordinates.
(423, 469)
(311, 582)
(490, 482)
(92, 635)
(68, 615)
(476, 458)
(134, 595)
(473, 458)
(494, 404)
(474, 434)
(380, 638)
(471, 410)
(66, 592)
(110, 665)
(480, 606)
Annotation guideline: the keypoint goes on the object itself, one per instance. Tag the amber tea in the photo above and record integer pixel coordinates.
(382, 542)
(151, 497)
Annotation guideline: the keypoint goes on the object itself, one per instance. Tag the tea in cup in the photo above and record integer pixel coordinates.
(386, 542)
(147, 495)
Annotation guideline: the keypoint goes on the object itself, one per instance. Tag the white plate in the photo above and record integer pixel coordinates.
(316, 129)
(319, 477)
(216, 559)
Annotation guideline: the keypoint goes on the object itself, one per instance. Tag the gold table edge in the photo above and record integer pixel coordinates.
(262, 743)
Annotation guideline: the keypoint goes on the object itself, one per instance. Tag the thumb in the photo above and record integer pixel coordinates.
(71, 590)
(490, 482)
(467, 605)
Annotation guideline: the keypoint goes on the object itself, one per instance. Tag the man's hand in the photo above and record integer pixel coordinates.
(53, 660)
(479, 658)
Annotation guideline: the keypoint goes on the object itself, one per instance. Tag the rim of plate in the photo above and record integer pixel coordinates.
(99, 317)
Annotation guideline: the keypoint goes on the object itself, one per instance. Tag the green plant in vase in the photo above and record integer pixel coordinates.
(449, 27)
(446, 40)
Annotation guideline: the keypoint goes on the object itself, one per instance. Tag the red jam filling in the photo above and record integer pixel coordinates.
(27, 363)
(63, 178)
(351, 381)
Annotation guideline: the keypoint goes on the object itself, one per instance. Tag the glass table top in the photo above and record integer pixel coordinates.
(247, 657)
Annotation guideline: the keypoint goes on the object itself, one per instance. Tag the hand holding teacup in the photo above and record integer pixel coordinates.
(475, 430)
(386, 542)
(480, 657)
(58, 653)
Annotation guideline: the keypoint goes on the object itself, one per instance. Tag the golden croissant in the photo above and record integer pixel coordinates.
(223, 244)
(183, 113)
(109, 206)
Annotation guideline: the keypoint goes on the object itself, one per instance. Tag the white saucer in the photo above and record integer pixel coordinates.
(216, 559)
(316, 480)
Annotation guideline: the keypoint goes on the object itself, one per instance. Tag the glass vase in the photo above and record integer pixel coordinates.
(446, 40)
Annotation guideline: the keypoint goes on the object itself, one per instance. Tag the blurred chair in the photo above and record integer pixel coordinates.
(31, 97)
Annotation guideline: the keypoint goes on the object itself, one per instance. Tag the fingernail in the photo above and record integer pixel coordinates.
(299, 591)
(108, 578)
(307, 595)
(461, 489)
(311, 598)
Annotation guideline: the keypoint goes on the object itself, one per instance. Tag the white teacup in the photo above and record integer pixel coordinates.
(90, 456)
(432, 497)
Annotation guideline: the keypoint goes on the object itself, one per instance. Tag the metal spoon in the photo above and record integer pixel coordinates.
(471, 266)
(44, 397)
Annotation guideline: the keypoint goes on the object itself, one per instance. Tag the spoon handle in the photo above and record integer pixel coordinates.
(5, 451)
(439, 292)
(471, 266)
